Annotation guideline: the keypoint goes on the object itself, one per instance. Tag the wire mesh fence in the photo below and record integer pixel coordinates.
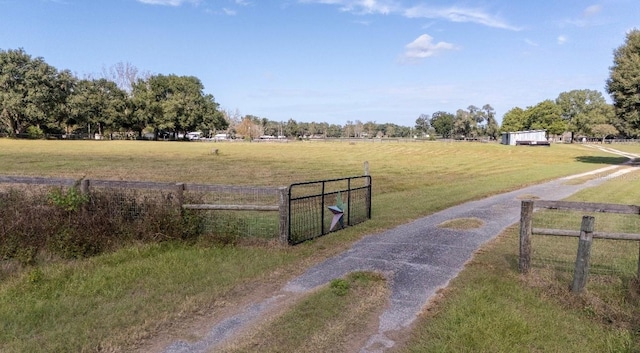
(225, 215)
(134, 201)
(610, 252)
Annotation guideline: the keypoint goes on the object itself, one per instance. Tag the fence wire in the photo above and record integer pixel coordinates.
(234, 223)
(608, 256)
(132, 201)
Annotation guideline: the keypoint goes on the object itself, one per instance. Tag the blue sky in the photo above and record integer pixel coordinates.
(337, 60)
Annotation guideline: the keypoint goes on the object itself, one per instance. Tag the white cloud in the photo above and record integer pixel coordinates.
(458, 14)
(169, 2)
(229, 12)
(361, 6)
(592, 10)
(587, 18)
(424, 47)
(530, 42)
(562, 39)
(364, 23)
(453, 13)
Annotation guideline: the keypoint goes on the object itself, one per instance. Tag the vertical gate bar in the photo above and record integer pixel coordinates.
(368, 196)
(349, 202)
(289, 240)
(322, 210)
(283, 213)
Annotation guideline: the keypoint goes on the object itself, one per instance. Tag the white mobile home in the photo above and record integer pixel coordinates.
(221, 137)
(531, 137)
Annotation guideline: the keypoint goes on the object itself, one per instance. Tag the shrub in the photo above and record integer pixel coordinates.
(70, 224)
(35, 132)
(25, 221)
(70, 200)
(339, 287)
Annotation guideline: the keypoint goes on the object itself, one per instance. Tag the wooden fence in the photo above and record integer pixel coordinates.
(249, 198)
(586, 233)
(238, 198)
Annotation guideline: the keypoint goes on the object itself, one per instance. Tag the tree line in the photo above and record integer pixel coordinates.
(36, 98)
(583, 113)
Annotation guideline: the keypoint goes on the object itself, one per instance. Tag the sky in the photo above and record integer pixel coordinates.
(387, 61)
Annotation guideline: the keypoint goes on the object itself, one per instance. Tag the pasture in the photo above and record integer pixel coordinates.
(124, 300)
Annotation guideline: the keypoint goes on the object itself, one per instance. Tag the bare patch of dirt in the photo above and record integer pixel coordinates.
(462, 223)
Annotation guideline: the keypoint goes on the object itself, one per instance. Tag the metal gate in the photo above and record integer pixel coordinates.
(320, 207)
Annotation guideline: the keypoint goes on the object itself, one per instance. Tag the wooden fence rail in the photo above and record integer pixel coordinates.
(585, 234)
(279, 195)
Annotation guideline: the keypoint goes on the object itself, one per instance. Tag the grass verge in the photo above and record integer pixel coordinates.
(114, 301)
(490, 307)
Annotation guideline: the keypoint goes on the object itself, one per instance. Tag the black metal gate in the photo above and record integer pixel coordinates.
(319, 207)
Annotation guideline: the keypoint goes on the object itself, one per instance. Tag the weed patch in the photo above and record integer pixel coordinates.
(72, 225)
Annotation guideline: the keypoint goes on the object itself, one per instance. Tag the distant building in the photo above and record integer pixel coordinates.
(220, 137)
(531, 137)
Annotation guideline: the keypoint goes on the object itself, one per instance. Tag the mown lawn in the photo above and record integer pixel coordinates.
(117, 301)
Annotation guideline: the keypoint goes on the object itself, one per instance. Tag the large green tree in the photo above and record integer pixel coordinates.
(624, 84)
(98, 105)
(514, 120)
(582, 109)
(545, 115)
(442, 123)
(176, 103)
(31, 91)
(464, 124)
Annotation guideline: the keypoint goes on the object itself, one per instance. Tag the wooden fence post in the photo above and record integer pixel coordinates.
(583, 257)
(526, 220)
(638, 274)
(283, 203)
(84, 186)
(180, 194)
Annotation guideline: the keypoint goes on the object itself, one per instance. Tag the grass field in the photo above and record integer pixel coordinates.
(116, 302)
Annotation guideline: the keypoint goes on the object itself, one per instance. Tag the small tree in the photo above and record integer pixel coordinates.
(249, 129)
(422, 124)
(603, 130)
